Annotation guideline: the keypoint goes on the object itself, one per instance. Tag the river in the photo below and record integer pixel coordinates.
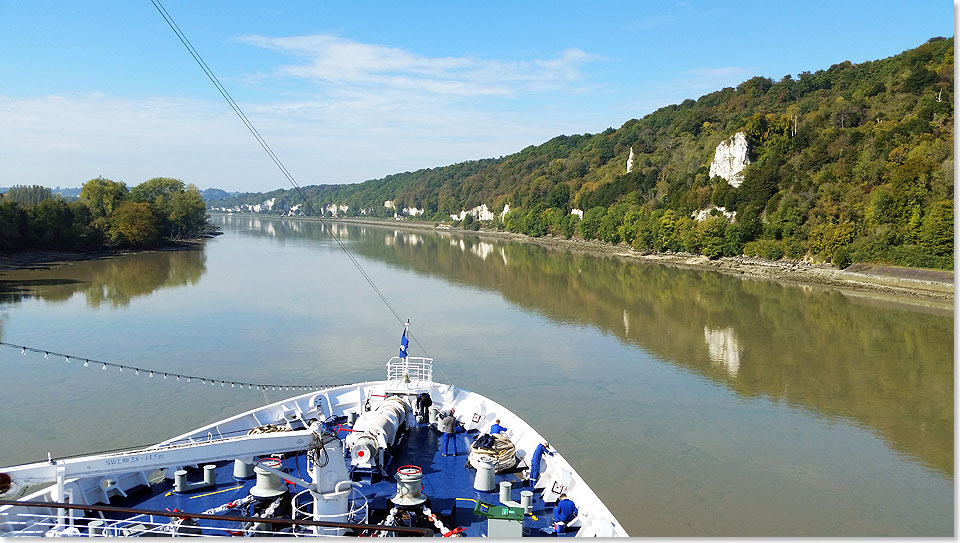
(693, 403)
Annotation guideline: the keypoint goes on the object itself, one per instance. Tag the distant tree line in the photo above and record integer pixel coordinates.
(849, 164)
(106, 215)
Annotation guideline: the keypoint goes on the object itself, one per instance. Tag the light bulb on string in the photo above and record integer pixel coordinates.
(86, 363)
(164, 375)
(151, 373)
(46, 356)
(121, 369)
(189, 379)
(23, 350)
(233, 385)
(178, 378)
(104, 368)
(221, 383)
(138, 371)
(68, 360)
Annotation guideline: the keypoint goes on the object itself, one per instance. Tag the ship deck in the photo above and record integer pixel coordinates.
(447, 481)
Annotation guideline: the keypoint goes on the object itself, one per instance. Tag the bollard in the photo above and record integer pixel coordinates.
(210, 474)
(505, 489)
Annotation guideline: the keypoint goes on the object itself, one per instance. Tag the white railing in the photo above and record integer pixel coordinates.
(38, 525)
(414, 368)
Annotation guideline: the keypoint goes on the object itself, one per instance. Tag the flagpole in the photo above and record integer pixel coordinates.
(406, 358)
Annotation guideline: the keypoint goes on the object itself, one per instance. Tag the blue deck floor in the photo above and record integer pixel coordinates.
(445, 479)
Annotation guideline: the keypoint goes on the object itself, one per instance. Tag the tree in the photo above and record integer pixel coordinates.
(134, 224)
(103, 196)
(667, 226)
(157, 188)
(51, 222)
(711, 232)
(13, 225)
(28, 196)
(559, 196)
(188, 213)
(936, 235)
(591, 222)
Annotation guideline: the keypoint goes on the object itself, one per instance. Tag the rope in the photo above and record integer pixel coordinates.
(283, 169)
(136, 370)
(266, 147)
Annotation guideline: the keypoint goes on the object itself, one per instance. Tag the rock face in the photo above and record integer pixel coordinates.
(630, 161)
(481, 213)
(730, 159)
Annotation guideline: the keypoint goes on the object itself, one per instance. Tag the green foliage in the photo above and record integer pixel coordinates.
(103, 196)
(770, 249)
(134, 224)
(591, 222)
(937, 231)
(106, 215)
(712, 235)
(27, 196)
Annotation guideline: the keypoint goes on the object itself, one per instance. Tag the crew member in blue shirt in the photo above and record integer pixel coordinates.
(543, 448)
(496, 428)
(564, 513)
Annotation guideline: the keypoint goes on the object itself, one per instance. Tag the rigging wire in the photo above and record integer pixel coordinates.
(167, 375)
(276, 160)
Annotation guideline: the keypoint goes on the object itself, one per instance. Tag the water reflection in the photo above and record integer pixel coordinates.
(723, 348)
(109, 281)
(885, 368)
(889, 370)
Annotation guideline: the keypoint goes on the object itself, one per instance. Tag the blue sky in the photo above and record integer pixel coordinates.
(350, 91)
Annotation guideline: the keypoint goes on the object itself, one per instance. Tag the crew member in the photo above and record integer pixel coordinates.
(423, 405)
(543, 448)
(496, 428)
(449, 428)
(564, 513)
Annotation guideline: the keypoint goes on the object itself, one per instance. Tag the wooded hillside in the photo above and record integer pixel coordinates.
(852, 163)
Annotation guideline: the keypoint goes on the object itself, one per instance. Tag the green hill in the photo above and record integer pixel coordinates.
(852, 163)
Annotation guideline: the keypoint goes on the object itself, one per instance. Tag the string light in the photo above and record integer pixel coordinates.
(123, 368)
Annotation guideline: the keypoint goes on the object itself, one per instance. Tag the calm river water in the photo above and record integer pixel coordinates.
(693, 403)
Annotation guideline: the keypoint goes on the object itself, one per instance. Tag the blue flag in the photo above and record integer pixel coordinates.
(403, 344)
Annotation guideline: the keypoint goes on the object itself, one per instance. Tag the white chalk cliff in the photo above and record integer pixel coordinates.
(730, 159)
(630, 161)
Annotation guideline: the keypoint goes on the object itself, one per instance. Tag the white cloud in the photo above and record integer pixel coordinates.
(353, 66)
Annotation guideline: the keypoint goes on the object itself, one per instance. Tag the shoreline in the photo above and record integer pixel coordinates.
(42, 259)
(910, 284)
(883, 281)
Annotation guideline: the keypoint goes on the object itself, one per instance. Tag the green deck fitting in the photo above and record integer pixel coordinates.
(498, 511)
